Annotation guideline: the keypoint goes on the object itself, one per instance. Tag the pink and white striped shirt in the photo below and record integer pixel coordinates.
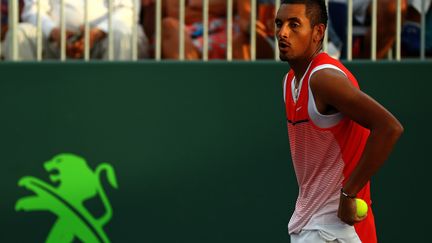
(325, 149)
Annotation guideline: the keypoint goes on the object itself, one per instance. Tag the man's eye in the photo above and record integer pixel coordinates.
(294, 25)
(278, 24)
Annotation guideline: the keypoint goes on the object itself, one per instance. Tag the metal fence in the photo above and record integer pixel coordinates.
(13, 22)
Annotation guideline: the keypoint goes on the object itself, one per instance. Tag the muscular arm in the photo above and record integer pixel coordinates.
(332, 89)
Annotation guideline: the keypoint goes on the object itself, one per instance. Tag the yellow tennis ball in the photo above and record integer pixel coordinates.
(362, 207)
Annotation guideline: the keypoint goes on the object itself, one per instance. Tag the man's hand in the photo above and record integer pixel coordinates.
(55, 35)
(348, 211)
(76, 49)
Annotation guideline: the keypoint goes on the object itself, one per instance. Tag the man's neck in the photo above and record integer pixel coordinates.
(300, 66)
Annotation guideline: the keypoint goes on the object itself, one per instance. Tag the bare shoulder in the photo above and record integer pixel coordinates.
(329, 79)
(333, 88)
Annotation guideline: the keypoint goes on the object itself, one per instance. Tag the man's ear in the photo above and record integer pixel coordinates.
(319, 32)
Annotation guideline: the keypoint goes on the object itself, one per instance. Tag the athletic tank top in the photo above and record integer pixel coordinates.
(325, 149)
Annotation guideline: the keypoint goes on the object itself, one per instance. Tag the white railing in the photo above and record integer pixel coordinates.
(398, 29)
(350, 30)
(63, 31)
(229, 28)
(158, 47)
(13, 22)
(181, 30)
(374, 30)
(423, 32)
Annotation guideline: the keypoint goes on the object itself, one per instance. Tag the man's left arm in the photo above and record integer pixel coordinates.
(332, 88)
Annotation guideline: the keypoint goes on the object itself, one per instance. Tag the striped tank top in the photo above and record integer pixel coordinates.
(325, 149)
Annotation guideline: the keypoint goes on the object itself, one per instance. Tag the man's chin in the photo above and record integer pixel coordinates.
(284, 58)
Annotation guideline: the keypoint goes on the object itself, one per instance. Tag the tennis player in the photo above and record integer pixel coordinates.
(339, 136)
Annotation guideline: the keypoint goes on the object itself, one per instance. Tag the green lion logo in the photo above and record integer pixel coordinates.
(77, 183)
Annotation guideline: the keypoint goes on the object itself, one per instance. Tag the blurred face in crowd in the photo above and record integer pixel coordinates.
(297, 38)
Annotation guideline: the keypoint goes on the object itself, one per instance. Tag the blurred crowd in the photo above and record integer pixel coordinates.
(123, 12)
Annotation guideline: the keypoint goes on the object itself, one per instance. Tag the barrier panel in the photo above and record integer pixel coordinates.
(182, 152)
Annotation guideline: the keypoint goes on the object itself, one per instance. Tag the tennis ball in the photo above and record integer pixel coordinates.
(362, 207)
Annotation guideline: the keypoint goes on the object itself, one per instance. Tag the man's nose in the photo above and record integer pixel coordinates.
(283, 32)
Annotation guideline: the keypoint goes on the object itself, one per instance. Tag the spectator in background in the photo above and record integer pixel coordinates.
(362, 10)
(411, 33)
(147, 20)
(5, 16)
(265, 42)
(335, 43)
(74, 17)
(386, 25)
(194, 29)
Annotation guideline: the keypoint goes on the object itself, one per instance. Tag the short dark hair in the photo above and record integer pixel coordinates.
(316, 10)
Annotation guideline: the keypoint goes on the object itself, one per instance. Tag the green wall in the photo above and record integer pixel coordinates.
(200, 150)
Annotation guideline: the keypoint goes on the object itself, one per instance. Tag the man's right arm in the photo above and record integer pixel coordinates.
(332, 89)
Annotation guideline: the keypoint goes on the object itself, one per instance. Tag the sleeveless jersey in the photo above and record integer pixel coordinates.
(325, 149)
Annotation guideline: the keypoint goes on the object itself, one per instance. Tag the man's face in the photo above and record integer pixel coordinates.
(294, 32)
